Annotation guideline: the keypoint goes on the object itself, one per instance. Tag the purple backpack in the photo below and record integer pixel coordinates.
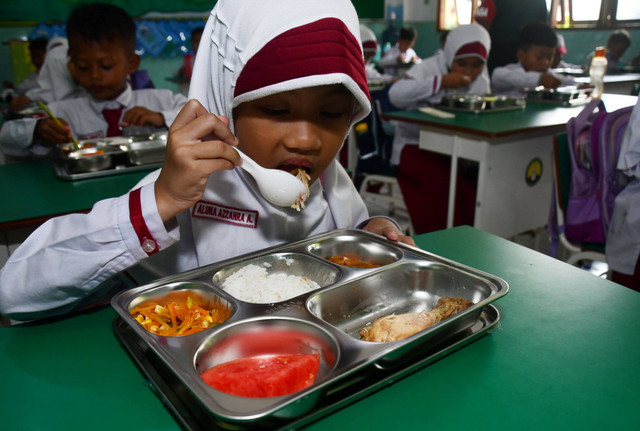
(594, 146)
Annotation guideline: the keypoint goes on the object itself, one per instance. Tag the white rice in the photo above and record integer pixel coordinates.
(253, 283)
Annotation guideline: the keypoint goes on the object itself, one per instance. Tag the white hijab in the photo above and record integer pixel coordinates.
(237, 30)
(441, 62)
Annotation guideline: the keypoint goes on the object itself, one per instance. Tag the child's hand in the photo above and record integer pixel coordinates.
(141, 116)
(455, 80)
(50, 133)
(549, 81)
(199, 144)
(386, 228)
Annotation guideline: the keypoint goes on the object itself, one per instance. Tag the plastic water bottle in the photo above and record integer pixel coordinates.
(597, 71)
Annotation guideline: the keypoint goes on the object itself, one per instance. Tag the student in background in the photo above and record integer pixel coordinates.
(54, 79)
(186, 70)
(401, 53)
(459, 68)
(370, 49)
(37, 51)
(102, 39)
(536, 47)
(176, 219)
(617, 44)
(623, 239)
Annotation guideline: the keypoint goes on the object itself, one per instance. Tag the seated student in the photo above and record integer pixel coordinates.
(37, 51)
(617, 44)
(101, 46)
(623, 239)
(536, 46)
(186, 70)
(370, 49)
(296, 116)
(401, 53)
(54, 79)
(459, 68)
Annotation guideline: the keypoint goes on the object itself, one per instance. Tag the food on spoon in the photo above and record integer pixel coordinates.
(351, 262)
(398, 327)
(260, 377)
(303, 176)
(180, 313)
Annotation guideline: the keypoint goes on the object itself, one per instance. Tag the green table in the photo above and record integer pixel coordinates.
(513, 150)
(30, 192)
(564, 357)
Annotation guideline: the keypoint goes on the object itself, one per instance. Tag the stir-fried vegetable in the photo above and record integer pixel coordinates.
(179, 319)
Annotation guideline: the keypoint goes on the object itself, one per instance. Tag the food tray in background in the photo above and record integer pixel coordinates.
(110, 156)
(193, 416)
(478, 104)
(564, 96)
(325, 320)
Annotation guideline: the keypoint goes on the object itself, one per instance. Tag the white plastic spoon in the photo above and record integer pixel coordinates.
(278, 187)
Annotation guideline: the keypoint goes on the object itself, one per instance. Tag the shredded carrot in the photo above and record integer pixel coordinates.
(175, 319)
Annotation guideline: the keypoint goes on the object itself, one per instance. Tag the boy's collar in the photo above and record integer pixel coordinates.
(124, 99)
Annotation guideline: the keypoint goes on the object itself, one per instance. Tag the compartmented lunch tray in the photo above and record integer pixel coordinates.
(563, 96)
(324, 322)
(110, 156)
(477, 104)
(192, 416)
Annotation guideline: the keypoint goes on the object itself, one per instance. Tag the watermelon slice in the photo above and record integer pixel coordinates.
(260, 377)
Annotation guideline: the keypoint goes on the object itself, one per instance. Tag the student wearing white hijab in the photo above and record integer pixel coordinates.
(459, 68)
(282, 82)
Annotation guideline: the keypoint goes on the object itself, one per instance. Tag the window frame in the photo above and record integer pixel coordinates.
(606, 18)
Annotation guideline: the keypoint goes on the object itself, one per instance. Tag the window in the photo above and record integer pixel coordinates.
(453, 13)
(563, 13)
(594, 13)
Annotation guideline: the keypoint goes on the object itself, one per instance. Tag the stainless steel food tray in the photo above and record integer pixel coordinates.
(564, 96)
(192, 415)
(110, 156)
(480, 104)
(325, 320)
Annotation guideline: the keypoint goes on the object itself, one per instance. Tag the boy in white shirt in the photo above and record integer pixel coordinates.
(101, 46)
(200, 208)
(401, 53)
(536, 48)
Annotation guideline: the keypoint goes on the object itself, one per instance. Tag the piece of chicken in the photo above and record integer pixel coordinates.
(303, 176)
(397, 327)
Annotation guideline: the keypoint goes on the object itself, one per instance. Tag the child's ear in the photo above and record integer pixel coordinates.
(134, 63)
(72, 70)
(521, 55)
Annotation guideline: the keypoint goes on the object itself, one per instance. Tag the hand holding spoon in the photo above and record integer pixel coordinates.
(76, 144)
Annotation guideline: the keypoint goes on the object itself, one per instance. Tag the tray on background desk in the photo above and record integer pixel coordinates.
(192, 416)
(63, 173)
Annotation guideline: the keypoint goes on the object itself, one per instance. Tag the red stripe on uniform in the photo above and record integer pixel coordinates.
(435, 85)
(137, 221)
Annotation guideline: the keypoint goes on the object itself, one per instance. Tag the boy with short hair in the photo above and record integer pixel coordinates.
(102, 40)
(617, 44)
(400, 54)
(37, 51)
(536, 48)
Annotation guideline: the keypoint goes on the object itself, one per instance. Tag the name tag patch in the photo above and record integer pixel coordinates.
(225, 214)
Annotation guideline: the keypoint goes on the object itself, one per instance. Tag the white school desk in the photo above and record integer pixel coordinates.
(514, 153)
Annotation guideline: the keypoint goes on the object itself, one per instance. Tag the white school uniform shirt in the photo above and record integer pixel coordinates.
(31, 81)
(84, 115)
(623, 239)
(513, 80)
(389, 60)
(422, 84)
(69, 259)
(374, 76)
(54, 80)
